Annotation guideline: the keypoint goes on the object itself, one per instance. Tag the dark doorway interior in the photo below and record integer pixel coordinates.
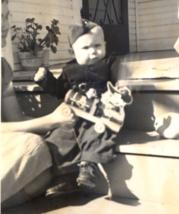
(112, 15)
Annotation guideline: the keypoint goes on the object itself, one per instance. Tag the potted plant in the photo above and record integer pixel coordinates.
(32, 47)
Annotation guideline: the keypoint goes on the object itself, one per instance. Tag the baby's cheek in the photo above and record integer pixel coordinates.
(100, 52)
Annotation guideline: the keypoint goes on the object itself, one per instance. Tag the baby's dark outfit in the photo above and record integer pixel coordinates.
(94, 147)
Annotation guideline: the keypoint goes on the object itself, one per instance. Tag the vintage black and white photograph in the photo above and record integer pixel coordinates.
(89, 107)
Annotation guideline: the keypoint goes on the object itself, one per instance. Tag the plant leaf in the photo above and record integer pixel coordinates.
(55, 22)
(40, 27)
(31, 20)
(53, 48)
(47, 27)
(56, 40)
(13, 37)
(27, 20)
(56, 29)
(34, 33)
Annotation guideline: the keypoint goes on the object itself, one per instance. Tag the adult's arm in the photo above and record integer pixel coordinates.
(43, 124)
(48, 83)
(11, 110)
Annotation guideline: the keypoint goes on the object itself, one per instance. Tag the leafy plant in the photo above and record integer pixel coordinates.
(29, 40)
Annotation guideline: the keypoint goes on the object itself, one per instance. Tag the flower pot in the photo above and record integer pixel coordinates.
(29, 61)
(46, 57)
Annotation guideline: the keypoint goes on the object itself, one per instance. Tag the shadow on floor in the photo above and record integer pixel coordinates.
(43, 205)
(123, 201)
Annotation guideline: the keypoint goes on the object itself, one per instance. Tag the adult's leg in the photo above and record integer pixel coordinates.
(36, 187)
(25, 157)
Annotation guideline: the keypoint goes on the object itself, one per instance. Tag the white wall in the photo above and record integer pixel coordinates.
(66, 11)
(156, 23)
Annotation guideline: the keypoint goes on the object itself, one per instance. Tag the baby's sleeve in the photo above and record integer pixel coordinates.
(48, 83)
(118, 69)
(114, 63)
(53, 86)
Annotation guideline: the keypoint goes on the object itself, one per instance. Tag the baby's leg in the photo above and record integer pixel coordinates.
(95, 148)
(64, 150)
(87, 174)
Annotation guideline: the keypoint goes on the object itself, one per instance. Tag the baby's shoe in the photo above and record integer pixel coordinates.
(87, 175)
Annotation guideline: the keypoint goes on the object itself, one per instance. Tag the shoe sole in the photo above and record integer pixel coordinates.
(54, 194)
(85, 184)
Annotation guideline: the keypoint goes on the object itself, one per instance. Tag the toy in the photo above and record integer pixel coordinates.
(107, 111)
(176, 46)
(167, 125)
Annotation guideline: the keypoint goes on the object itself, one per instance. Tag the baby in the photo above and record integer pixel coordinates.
(89, 72)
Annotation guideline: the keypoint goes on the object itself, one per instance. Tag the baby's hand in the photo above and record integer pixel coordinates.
(40, 74)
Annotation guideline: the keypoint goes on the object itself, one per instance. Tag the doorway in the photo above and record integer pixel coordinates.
(112, 15)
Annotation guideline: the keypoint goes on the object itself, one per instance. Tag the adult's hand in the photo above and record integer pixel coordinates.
(62, 116)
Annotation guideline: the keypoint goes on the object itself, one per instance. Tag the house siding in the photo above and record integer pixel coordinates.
(153, 24)
(132, 26)
(158, 24)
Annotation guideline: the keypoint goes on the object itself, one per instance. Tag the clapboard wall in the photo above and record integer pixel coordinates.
(66, 11)
(153, 24)
(158, 24)
(132, 26)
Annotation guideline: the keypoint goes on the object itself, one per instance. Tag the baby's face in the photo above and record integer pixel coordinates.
(89, 48)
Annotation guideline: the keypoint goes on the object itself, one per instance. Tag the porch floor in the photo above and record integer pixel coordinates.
(78, 203)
